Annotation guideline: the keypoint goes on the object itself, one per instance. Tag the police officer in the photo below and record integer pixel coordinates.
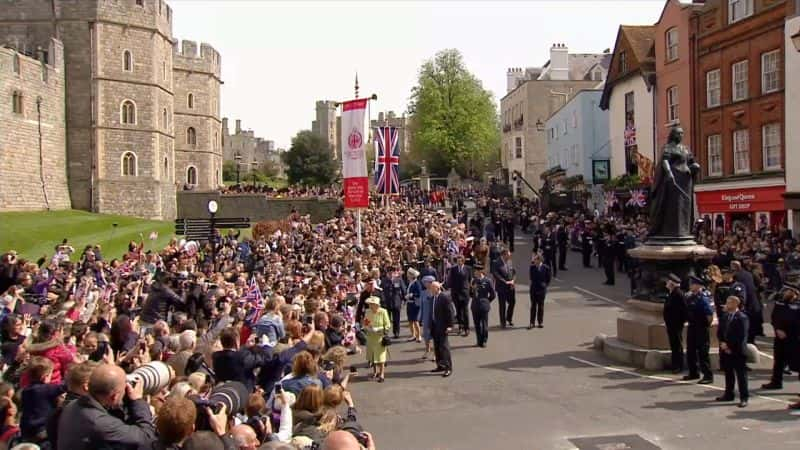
(563, 242)
(548, 247)
(482, 296)
(587, 242)
(608, 247)
(786, 323)
(674, 320)
(699, 316)
(508, 230)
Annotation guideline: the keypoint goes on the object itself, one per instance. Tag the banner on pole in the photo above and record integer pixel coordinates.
(354, 161)
(387, 161)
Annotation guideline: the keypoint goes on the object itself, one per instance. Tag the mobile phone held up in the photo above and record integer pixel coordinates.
(278, 388)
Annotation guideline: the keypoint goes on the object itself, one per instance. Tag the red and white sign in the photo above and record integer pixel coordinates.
(354, 160)
(741, 200)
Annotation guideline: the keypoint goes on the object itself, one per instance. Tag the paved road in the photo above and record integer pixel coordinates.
(546, 388)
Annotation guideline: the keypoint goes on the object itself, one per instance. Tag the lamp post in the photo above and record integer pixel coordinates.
(238, 159)
(212, 210)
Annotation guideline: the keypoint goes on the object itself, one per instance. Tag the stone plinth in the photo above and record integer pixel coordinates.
(642, 325)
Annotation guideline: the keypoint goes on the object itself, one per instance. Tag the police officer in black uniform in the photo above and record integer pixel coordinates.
(674, 319)
(508, 230)
(786, 323)
(699, 316)
(563, 242)
(587, 243)
(482, 296)
(548, 246)
(608, 247)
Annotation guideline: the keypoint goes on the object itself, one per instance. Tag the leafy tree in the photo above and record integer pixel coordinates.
(309, 160)
(229, 171)
(454, 120)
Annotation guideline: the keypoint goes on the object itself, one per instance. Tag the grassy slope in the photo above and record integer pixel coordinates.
(33, 234)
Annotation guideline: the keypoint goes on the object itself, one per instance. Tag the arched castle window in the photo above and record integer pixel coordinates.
(16, 102)
(191, 137)
(190, 101)
(191, 176)
(128, 164)
(127, 61)
(15, 63)
(166, 168)
(127, 113)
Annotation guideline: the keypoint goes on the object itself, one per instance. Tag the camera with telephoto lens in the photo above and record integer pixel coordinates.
(154, 375)
(232, 394)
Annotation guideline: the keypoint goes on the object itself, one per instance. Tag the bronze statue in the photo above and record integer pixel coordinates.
(672, 198)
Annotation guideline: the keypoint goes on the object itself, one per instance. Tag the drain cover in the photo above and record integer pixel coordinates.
(620, 442)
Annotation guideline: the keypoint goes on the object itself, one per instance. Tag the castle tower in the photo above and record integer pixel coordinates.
(325, 125)
(119, 98)
(198, 128)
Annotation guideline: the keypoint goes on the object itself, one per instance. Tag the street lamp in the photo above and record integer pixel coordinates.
(212, 210)
(796, 40)
(238, 159)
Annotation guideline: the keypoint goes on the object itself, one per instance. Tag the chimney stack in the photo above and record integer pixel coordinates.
(559, 62)
(238, 126)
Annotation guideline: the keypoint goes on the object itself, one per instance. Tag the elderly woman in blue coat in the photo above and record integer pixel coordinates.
(426, 314)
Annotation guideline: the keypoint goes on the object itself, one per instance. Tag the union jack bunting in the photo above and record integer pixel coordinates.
(630, 135)
(637, 198)
(387, 161)
(611, 198)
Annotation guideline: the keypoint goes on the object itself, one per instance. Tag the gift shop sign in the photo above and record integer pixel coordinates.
(741, 200)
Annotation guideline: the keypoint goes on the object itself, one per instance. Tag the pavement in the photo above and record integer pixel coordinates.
(548, 389)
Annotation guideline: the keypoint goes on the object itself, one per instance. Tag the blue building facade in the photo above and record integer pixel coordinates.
(577, 138)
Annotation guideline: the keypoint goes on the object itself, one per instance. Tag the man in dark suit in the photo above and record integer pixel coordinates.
(441, 323)
(503, 274)
(483, 294)
(563, 243)
(394, 293)
(459, 280)
(548, 245)
(540, 279)
(674, 319)
(732, 336)
(751, 303)
(235, 364)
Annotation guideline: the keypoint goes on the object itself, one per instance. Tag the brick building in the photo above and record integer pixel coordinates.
(122, 76)
(33, 153)
(739, 110)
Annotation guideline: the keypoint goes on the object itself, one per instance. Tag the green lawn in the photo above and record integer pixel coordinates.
(33, 234)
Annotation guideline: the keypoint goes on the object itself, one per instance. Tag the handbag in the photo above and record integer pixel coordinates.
(386, 341)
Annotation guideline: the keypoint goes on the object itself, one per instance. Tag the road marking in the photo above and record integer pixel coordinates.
(670, 380)
(605, 299)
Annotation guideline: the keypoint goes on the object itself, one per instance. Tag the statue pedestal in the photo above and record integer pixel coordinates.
(641, 339)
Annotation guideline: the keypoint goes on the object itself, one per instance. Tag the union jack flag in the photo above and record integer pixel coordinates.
(630, 135)
(637, 198)
(387, 160)
(254, 298)
(611, 199)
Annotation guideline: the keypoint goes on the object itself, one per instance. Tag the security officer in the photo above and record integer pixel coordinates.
(608, 247)
(699, 316)
(548, 246)
(786, 323)
(482, 296)
(587, 243)
(563, 242)
(674, 319)
(508, 230)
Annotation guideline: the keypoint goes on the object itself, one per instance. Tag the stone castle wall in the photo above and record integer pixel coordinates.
(33, 177)
(96, 35)
(254, 206)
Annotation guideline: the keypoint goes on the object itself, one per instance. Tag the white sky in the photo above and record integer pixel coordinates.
(278, 58)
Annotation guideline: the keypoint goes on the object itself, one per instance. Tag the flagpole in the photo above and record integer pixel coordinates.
(358, 211)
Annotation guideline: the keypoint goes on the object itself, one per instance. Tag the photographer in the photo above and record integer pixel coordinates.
(92, 415)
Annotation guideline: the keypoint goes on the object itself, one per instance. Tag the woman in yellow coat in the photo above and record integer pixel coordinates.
(376, 325)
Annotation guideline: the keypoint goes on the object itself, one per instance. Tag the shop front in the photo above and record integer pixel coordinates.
(751, 207)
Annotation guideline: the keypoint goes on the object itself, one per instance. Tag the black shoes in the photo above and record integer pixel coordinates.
(742, 404)
(676, 371)
(706, 381)
(511, 324)
(691, 377)
(724, 398)
(772, 386)
(447, 373)
(541, 326)
(531, 326)
(438, 369)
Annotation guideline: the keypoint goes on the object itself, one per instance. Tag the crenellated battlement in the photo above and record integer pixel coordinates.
(187, 55)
